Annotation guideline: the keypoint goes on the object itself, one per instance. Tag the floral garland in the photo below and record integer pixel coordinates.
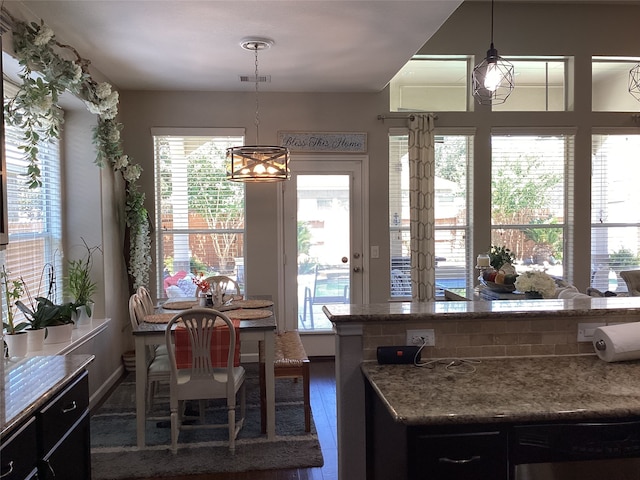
(34, 110)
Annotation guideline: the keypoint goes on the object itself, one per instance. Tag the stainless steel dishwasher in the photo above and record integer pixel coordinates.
(577, 451)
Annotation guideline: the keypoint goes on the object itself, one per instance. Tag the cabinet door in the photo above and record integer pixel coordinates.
(19, 454)
(468, 456)
(71, 459)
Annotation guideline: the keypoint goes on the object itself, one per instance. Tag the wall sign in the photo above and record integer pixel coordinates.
(326, 142)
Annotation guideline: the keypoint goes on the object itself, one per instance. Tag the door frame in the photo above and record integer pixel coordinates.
(322, 343)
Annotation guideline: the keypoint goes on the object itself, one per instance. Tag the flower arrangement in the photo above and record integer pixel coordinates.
(34, 109)
(201, 283)
(499, 256)
(535, 281)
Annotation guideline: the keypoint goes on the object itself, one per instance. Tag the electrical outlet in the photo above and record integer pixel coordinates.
(414, 337)
(585, 331)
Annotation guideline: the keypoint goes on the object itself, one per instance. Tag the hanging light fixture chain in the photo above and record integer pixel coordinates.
(257, 102)
(492, 23)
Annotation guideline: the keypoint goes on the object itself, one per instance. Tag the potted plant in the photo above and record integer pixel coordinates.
(501, 257)
(15, 337)
(47, 315)
(79, 286)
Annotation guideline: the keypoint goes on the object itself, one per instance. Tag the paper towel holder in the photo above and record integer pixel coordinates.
(600, 345)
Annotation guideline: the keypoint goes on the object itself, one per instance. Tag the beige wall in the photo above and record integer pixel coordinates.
(278, 111)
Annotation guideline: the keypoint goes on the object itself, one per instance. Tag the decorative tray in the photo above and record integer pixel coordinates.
(497, 287)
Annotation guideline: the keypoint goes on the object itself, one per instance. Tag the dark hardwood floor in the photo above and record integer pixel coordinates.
(323, 406)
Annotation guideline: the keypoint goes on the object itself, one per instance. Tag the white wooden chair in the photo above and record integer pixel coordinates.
(158, 369)
(201, 380)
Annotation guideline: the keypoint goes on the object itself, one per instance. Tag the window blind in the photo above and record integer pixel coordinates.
(529, 193)
(200, 213)
(452, 154)
(615, 209)
(34, 216)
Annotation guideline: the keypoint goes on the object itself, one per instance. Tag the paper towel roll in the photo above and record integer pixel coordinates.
(616, 343)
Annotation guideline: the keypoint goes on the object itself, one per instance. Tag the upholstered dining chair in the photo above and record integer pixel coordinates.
(202, 336)
(158, 369)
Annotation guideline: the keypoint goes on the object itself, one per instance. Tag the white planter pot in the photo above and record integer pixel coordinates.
(36, 339)
(17, 344)
(59, 334)
(81, 315)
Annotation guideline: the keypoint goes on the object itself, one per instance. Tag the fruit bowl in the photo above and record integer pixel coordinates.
(497, 287)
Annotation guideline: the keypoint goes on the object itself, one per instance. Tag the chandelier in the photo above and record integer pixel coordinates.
(492, 79)
(257, 163)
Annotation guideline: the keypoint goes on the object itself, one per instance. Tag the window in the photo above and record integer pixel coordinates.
(610, 84)
(201, 215)
(441, 84)
(452, 157)
(35, 226)
(615, 209)
(431, 84)
(529, 190)
(541, 85)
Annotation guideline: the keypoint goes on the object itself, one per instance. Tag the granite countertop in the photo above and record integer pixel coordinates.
(28, 383)
(511, 389)
(465, 310)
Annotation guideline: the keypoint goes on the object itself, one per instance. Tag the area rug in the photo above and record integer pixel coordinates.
(114, 454)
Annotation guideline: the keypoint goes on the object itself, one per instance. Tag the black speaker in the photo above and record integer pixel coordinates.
(398, 355)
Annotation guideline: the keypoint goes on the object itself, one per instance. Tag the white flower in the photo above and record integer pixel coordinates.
(121, 162)
(132, 173)
(44, 35)
(536, 282)
(77, 73)
(103, 90)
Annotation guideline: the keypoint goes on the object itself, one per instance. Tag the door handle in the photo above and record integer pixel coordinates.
(356, 269)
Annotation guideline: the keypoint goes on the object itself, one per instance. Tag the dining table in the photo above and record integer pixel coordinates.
(262, 330)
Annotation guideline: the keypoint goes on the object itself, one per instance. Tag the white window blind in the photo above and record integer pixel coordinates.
(452, 154)
(34, 219)
(529, 190)
(615, 209)
(200, 214)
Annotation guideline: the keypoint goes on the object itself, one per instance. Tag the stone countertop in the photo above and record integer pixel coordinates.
(465, 310)
(28, 383)
(510, 389)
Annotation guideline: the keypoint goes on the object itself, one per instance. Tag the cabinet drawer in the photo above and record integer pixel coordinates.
(19, 454)
(469, 456)
(63, 411)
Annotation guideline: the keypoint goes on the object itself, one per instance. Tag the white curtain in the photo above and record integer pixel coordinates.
(421, 210)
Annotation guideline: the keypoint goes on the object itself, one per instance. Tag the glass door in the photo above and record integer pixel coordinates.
(323, 240)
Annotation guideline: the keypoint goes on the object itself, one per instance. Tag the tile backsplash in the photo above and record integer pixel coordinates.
(488, 338)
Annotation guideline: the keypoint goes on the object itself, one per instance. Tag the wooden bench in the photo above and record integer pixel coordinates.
(291, 361)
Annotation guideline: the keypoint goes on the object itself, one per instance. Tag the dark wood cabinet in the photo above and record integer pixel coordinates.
(54, 442)
(472, 456)
(400, 451)
(63, 433)
(19, 454)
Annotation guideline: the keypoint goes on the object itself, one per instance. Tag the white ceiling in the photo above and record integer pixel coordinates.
(320, 45)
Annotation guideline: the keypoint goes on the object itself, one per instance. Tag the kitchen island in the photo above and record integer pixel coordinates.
(528, 328)
(481, 419)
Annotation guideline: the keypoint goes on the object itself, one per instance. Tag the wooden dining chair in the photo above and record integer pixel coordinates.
(147, 301)
(205, 332)
(158, 369)
(228, 286)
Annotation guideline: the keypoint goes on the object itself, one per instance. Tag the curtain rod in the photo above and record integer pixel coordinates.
(400, 116)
